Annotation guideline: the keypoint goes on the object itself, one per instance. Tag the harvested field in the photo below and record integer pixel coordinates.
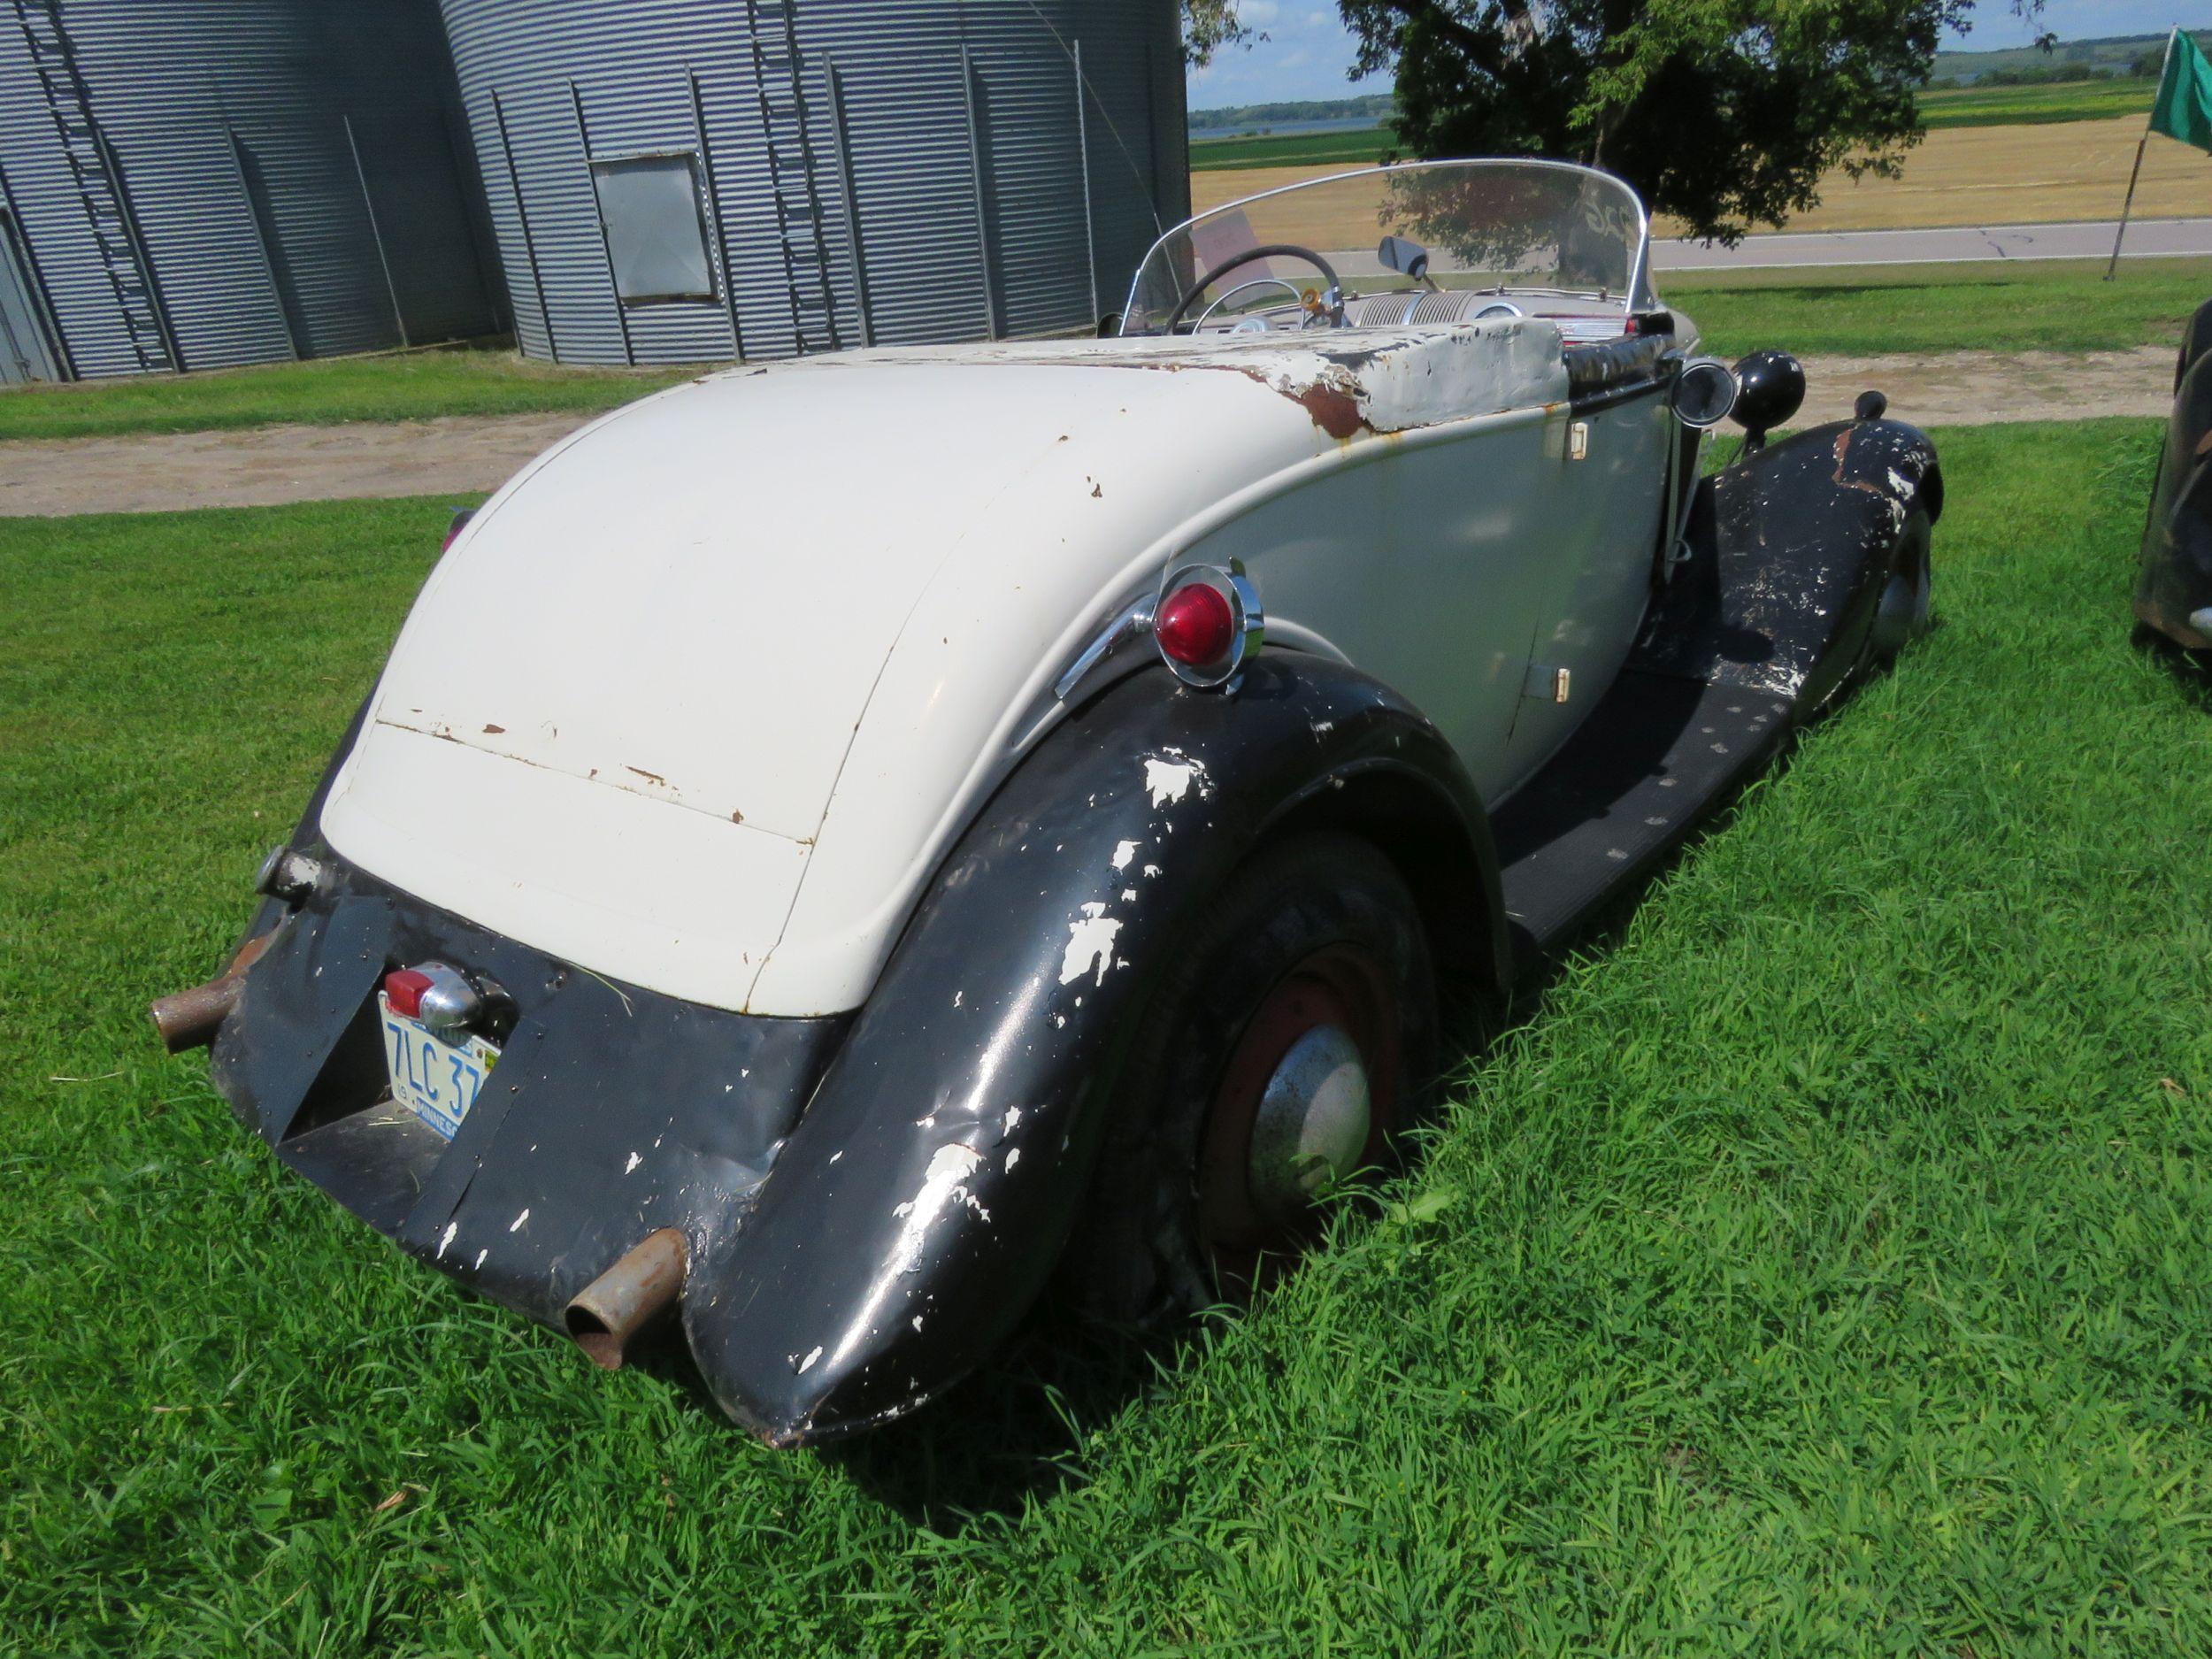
(1983, 175)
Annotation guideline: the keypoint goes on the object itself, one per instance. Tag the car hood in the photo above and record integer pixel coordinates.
(697, 697)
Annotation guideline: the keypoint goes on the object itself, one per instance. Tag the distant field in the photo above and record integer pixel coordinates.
(1962, 174)
(1357, 147)
(2023, 106)
(1966, 107)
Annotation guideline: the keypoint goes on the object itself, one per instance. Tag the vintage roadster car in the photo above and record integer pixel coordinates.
(829, 847)
(2173, 592)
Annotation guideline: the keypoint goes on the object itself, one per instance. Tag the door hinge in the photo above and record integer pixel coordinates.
(1578, 447)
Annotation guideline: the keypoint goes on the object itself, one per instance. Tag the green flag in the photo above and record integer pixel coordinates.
(2184, 109)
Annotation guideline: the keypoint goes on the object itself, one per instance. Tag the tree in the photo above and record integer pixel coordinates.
(1208, 27)
(1724, 113)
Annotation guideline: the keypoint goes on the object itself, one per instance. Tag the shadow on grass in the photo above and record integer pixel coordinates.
(1021, 1428)
(2190, 671)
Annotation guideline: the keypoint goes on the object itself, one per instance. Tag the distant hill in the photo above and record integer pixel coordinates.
(2109, 55)
(1378, 106)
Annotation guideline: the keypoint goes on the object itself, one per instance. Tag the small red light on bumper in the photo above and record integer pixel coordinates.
(1194, 625)
(403, 991)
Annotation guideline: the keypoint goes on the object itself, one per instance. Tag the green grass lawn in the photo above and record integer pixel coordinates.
(2012, 306)
(393, 386)
(2016, 305)
(1824, 1266)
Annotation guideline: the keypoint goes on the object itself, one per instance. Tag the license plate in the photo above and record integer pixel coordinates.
(435, 1079)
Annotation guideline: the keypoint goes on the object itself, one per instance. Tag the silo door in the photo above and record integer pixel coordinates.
(25, 354)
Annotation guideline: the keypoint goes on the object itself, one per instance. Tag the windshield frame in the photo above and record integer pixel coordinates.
(1638, 297)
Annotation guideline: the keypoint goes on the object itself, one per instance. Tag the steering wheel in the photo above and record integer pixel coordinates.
(1256, 283)
(1266, 250)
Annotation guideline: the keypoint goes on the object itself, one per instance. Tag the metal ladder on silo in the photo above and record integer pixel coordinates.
(100, 188)
(776, 77)
(92, 163)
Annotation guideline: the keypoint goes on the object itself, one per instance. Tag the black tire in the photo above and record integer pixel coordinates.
(1901, 615)
(1313, 921)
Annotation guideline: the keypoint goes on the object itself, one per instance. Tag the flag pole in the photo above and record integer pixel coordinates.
(2136, 173)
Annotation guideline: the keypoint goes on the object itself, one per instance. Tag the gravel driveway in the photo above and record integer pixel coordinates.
(263, 465)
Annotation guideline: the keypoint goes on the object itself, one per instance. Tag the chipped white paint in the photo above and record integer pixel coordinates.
(1013, 1156)
(1152, 870)
(812, 1355)
(446, 1238)
(1090, 945)
(944, 1188)
(636, 1158)
(1129, 895)
(1123, 851)
(1167, 781)
(481, 1254)
(516, 1225)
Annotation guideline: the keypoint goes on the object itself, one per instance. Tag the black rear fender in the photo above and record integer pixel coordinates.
(925, 1195)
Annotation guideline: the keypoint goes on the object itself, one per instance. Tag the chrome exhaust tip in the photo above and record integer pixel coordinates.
(607, 1315)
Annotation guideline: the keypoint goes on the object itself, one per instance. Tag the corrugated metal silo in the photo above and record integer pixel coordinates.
(673, 180)
(199, 183)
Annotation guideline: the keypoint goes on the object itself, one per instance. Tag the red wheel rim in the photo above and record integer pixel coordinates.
(1339, 985)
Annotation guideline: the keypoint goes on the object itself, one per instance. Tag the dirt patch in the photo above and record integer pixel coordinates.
(262, 466)
(267, 466)
(1973, 388)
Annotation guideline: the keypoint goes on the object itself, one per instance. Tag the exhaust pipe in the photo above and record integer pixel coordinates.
(189, 1019)
(606, 1316)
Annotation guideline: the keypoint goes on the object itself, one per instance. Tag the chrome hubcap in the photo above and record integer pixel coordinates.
(1312, 1122)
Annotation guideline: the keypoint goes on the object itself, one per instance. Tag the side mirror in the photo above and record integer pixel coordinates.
(1771, 386)
(1704, 393)
(1409, 258)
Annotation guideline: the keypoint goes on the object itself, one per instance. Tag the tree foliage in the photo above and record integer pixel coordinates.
(1724, 113)
(1208, 27)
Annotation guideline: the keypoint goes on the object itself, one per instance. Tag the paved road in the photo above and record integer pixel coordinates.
(2091, 239)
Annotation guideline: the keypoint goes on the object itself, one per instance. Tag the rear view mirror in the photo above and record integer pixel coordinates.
(1409, 257)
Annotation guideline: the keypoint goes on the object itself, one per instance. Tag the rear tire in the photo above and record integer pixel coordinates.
(1303, 996)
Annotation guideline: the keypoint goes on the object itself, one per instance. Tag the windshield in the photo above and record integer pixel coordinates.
(1542, 228)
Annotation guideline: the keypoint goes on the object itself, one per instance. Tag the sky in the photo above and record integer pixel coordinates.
(1308, 49)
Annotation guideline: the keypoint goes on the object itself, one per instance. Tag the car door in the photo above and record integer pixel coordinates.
(1598, 581)
(1428, 564)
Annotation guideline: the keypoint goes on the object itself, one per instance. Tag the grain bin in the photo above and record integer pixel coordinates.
(189, 184)
(673, 180)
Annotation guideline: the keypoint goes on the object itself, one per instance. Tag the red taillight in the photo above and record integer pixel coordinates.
(1194, 625)
(403, 991)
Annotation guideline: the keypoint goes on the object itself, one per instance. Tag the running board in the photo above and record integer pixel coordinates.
(1653, 758)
